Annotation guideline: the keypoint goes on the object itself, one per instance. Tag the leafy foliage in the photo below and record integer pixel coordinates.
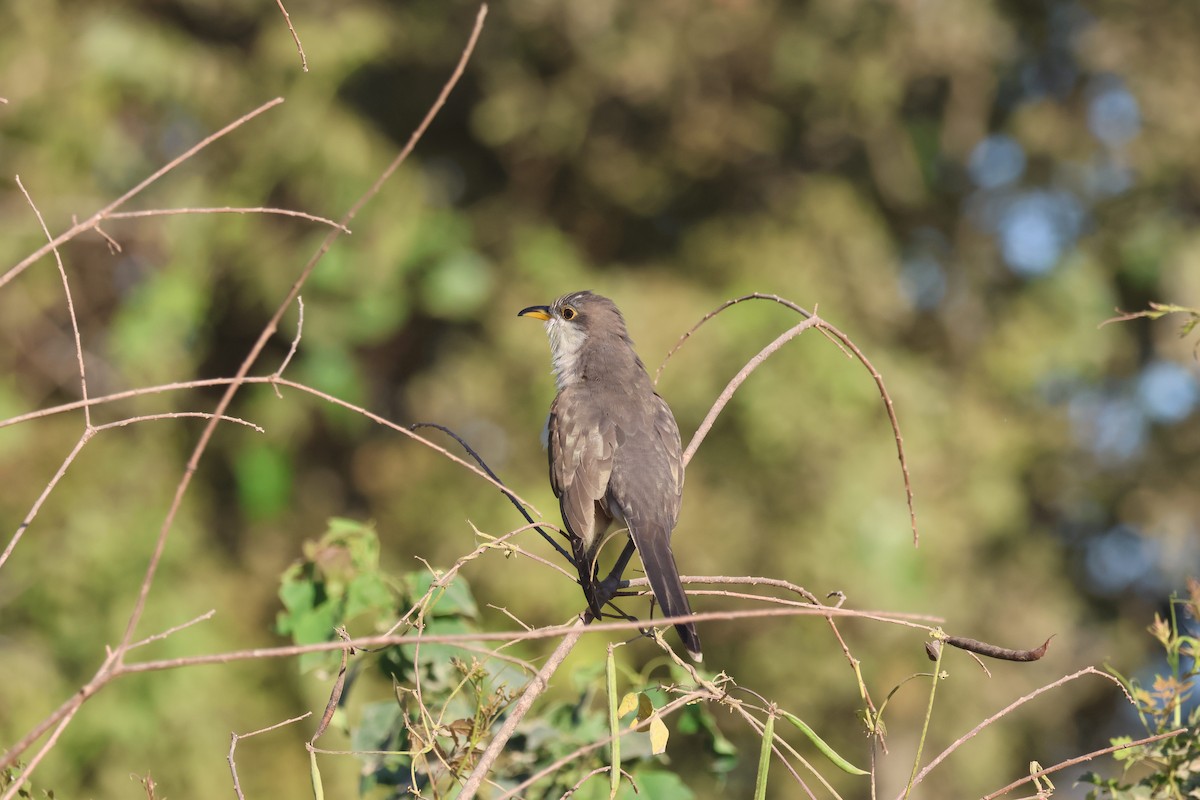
(10, 776)
(446, 698)
(1169, 768)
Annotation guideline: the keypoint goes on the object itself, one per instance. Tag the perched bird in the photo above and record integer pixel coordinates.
(614, 451)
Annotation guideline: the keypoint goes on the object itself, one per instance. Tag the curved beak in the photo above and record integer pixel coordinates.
(537, 312)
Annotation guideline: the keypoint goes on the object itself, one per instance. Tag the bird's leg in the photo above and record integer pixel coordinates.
(585, 563)
(607, 589)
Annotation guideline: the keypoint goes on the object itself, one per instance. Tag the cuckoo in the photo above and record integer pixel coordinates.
(614, 452)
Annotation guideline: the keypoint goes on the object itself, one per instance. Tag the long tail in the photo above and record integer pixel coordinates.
(654, 546)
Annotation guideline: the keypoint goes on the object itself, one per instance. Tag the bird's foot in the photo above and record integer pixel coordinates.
(609, 588)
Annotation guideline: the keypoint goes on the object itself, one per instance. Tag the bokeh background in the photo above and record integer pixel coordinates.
(966, 189)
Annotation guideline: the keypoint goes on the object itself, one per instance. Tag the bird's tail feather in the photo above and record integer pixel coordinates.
(655, 550)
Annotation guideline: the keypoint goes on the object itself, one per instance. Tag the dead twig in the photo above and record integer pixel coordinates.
(237, 737)
(94, 220)
(841, 340)
(1070, 762)
(295, 37)
(533, 690)
(971, 734)
(114, 665)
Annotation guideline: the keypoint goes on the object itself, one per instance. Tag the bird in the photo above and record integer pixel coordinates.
(614, 451)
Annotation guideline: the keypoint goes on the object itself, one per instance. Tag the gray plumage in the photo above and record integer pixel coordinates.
(614, 449)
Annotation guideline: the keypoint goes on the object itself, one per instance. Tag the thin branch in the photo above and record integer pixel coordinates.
(37, 504)
(114, 666)
(295, 344)
(891, 412)
(591, 747)
(207, 615)
(464, 639)
(282, 212)
(122, 423)
(848, 347)
(739, 379)
(1070, 762)
(295, 37)
(62, 273)
(533, 690)
(495, 478)
(1004, 712)
(268, 379)
(94, 220)
(754, 296)
(87, 435)
(58, 721)
(272, 325)
(442, 581)
(234, 738)
(118, 396)
(399, 429)
(43, 751)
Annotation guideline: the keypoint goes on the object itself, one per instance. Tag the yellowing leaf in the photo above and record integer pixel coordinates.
(645, 707)
(628, 703)
(658, 736)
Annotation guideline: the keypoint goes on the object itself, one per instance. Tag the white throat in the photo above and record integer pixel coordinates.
(566, 340)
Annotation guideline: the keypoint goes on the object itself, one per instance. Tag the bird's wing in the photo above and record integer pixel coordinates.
(666, 438)
(647, 487)
(582, 443)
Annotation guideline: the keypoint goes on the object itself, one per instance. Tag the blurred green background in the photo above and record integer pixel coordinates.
(966, 189)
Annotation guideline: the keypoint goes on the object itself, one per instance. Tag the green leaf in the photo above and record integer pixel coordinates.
(368, 592)
(378, 727)
(315, 626)
(298, 595)
(455, 599)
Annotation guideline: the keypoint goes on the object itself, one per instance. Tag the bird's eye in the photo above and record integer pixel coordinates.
(568, 313)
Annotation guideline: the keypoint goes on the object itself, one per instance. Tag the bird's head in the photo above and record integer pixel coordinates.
(572, 321)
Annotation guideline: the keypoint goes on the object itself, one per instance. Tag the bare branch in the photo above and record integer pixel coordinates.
(94, 220)
(37, 504)
(739, 379)
(295, 37)
(1004, 712)
(282, 212)
(207, 615)
(846, 345)
(234, 738)
(114, 665)
(272, 325)
(533, 690)
(1070, 762)
(62, 273)
(295, 344)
